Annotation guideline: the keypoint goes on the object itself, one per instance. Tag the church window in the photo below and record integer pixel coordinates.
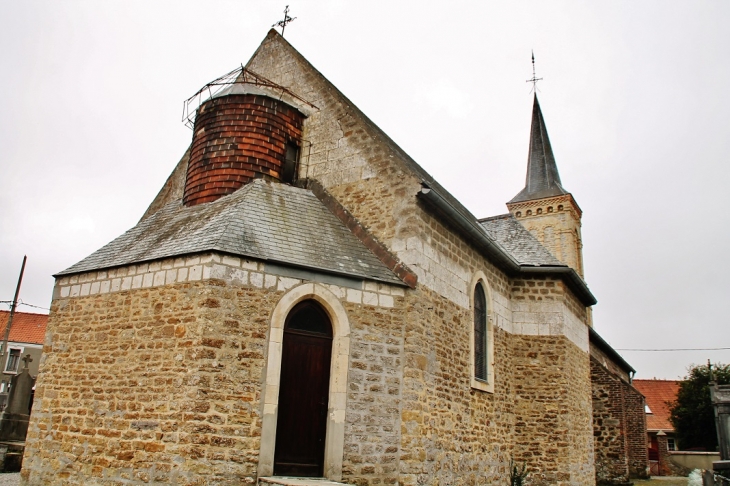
(550, 209)
(529, 212)
(560, 207)
(480, 334)
(539, 210)
(519, 214)
(13, 360)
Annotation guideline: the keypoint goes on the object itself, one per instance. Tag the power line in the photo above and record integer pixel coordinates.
(20, 302)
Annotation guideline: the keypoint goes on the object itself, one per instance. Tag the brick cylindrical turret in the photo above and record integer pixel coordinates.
(238, 138)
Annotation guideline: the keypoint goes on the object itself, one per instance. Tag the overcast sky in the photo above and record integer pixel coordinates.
(634, 95)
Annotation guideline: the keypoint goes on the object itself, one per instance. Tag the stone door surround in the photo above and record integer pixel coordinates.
(334, 441)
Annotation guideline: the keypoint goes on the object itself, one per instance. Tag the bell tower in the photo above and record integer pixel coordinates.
(544, 207)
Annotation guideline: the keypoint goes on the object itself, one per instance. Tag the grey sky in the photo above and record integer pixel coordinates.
(634, 97)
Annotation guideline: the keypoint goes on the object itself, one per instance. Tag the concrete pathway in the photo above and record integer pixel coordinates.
(9, 479)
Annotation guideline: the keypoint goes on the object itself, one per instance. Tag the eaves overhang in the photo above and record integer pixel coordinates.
(601, 344)
(462, 220)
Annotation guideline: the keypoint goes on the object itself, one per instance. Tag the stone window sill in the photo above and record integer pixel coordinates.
(482, 385)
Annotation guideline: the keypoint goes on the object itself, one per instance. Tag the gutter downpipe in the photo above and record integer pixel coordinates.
(506, 262)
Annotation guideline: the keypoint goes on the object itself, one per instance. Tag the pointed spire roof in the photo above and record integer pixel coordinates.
(542, 179)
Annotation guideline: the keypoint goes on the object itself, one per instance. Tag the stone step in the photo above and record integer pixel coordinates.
(287, 481)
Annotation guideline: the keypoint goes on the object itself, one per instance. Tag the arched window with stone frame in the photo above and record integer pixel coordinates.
(481, 364)
(481, 335)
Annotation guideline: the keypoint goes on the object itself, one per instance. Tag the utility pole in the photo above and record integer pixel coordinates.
(13, 305)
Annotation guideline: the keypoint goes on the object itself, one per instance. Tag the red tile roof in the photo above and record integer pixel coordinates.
(26, 328)
(658, 393)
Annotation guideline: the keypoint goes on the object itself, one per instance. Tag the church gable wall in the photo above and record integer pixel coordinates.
(349, 156)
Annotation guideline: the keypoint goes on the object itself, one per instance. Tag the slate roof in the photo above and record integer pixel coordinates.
(518, 242)
(263, 220)
(657, 394)
(26, 328)
(543, 179)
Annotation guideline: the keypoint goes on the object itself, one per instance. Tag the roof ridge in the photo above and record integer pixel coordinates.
(497, 216)
(369, 240)
(21, 312)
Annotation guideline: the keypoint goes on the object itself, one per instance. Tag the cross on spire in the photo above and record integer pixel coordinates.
(283, 23)
(27, 360)
(534, 79)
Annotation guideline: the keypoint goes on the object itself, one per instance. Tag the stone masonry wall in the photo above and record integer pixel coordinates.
(451, 433)
(372, 422)
(636, 432)
(551, 376)
(553, 433)
(619, 425)
(556, 223)
(150, 385)
(162, 383)
(609, 426)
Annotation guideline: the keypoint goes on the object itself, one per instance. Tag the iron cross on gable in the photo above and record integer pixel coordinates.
(287, 20)
(27, 360)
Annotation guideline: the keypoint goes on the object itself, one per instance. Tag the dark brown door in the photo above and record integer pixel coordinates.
(303, 394)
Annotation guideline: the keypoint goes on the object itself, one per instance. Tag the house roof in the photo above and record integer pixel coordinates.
(27, 327)
(267, 221)
(658, 394)
(543, 179)
(518, 241)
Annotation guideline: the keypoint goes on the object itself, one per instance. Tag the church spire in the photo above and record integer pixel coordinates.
(542, 178)
(547, 210)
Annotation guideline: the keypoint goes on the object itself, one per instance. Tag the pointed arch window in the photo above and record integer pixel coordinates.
(481, 356)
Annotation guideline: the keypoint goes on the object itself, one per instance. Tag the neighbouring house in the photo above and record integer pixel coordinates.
(660, 394)
(303, 299)
(619, 421)
(26, 338)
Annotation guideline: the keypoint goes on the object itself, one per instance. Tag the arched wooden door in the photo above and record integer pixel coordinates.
(301, 423)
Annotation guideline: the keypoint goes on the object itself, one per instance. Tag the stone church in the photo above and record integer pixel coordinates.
(302, 299)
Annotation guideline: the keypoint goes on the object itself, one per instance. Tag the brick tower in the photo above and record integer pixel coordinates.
(547, 210)
(240, 134)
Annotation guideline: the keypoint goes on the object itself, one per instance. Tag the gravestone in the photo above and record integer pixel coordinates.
(14, 420)
(720, 395)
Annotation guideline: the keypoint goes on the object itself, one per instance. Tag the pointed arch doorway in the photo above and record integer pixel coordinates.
(301, 427)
